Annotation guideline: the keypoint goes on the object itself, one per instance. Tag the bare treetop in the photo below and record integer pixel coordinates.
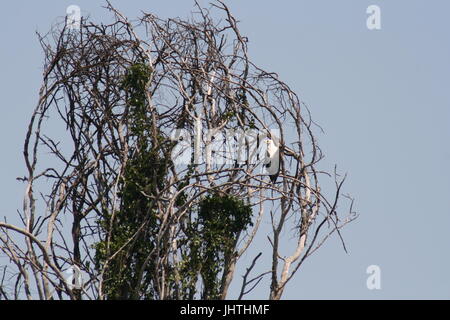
(161, 115)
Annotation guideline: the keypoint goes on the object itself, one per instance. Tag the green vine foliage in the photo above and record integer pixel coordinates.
(213, 226)
(143, 176)
(213, 237)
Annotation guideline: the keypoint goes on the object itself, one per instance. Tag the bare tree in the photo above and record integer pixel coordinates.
(109, 194)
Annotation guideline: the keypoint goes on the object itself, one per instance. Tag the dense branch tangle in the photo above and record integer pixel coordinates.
(143, 226)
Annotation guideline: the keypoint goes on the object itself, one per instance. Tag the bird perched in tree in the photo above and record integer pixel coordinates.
(273, 159)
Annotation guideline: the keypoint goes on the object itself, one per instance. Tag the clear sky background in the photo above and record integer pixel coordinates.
(382, 97)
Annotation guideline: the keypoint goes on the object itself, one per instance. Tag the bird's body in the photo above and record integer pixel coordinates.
(272, 160)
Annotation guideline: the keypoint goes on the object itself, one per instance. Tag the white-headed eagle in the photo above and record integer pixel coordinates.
(273, 159)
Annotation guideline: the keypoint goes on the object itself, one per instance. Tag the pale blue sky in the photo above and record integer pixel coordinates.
(382, 98)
